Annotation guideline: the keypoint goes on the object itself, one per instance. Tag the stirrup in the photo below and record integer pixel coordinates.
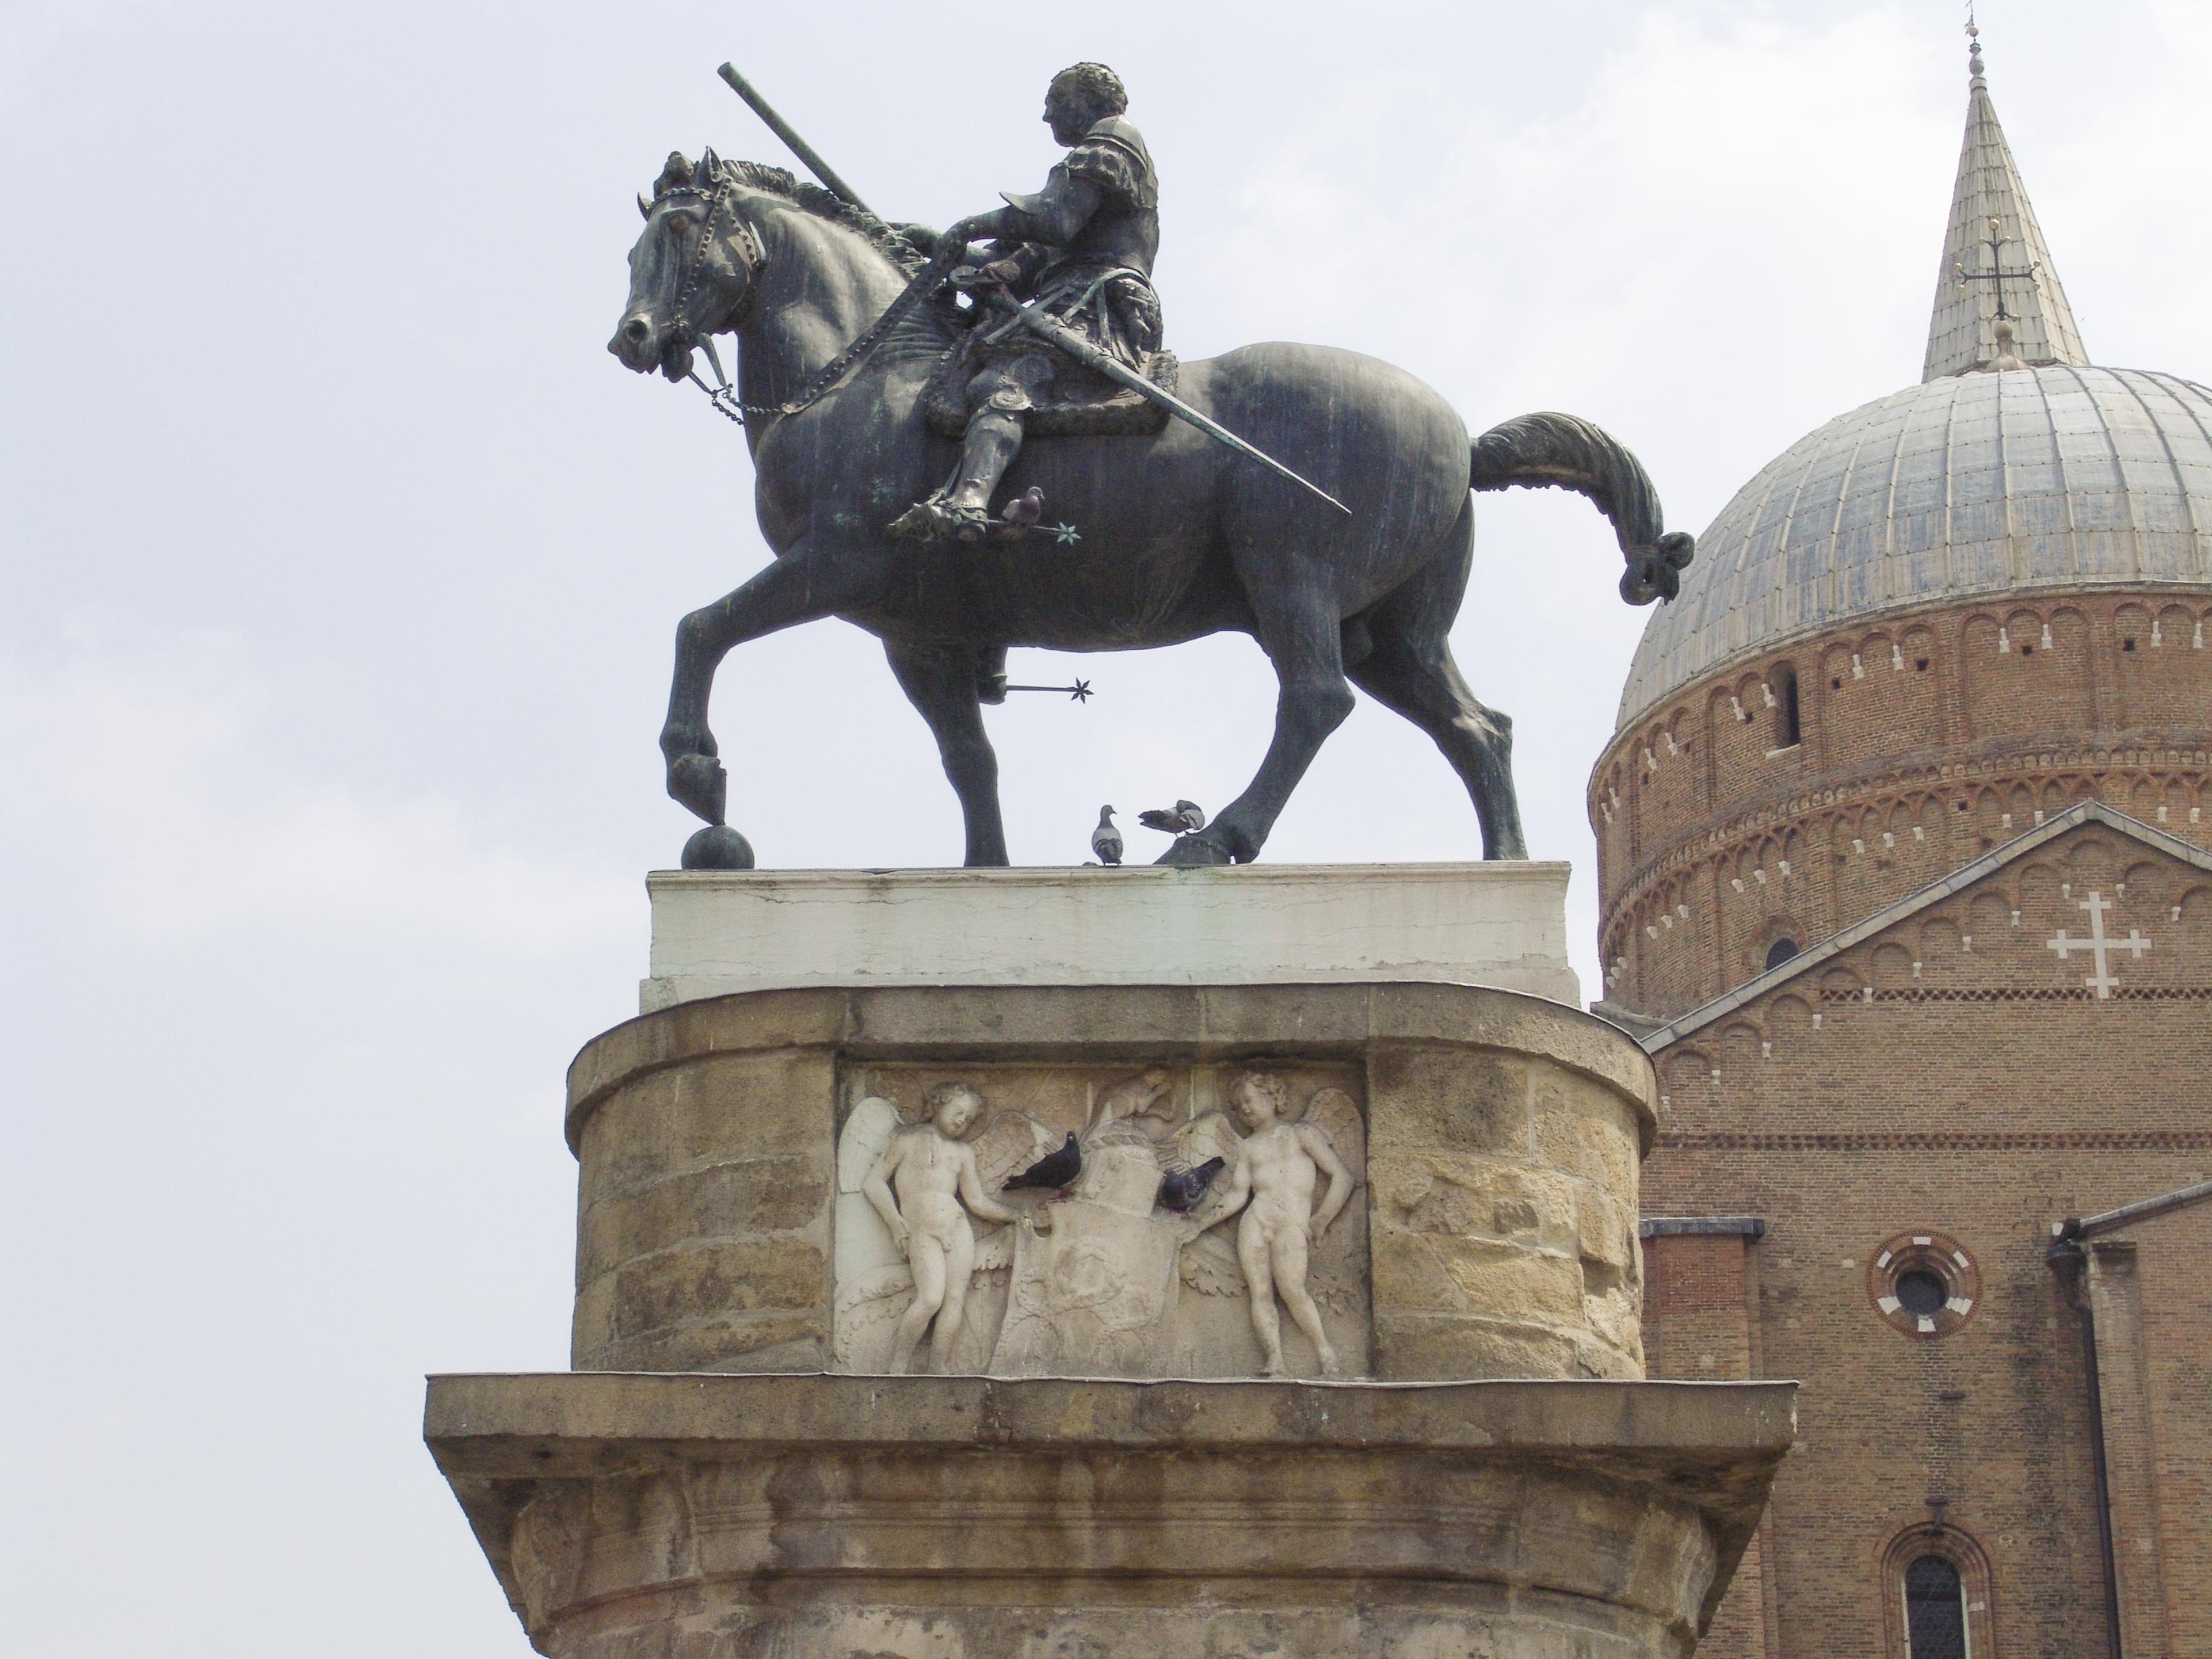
(937, 521)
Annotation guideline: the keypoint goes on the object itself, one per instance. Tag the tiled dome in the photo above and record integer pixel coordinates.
(2057, 476)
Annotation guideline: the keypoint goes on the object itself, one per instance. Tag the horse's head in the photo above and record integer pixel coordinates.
(691, 271)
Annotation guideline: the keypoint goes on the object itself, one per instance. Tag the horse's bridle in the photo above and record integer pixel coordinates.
(753, 255)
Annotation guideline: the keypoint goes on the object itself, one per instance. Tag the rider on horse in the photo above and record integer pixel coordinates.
(1081, 249)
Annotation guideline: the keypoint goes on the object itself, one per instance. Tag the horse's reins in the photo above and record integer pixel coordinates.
(754, 252)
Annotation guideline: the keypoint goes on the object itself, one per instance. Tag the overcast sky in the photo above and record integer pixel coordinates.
(342, 563)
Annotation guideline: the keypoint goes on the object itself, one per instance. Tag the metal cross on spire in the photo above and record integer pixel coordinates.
(1996, 273)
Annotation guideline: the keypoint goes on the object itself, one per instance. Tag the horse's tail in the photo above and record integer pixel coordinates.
(1562, 451)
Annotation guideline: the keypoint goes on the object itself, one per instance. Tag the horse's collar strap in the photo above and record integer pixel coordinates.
(926, 282)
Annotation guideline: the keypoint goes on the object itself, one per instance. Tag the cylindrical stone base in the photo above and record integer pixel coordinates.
(1493, 1232)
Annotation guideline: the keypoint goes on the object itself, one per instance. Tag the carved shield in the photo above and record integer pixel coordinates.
(1087, 1298)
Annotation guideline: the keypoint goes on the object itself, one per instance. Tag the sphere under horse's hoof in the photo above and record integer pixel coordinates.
(718, 847)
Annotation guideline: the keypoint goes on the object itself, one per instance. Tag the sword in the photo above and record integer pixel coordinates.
(1106, 363)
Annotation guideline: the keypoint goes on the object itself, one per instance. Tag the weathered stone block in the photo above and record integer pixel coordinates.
(1430, 1097)
(1496, 1279)
(1615, 1353)
(1420, 1347)
(770, 1341)
(742, 1105)
(701, 1281)
(1453, 1192)
(1605, 1229)
(723, 1201)
(1586, 1130)
(624, 1143)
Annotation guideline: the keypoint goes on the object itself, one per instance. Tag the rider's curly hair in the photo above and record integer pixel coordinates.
(1099, 86)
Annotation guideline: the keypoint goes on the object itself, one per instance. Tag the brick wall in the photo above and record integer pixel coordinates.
(2153, 1302)
(1952, 1074)
(1699, 1323)
(1923, 742)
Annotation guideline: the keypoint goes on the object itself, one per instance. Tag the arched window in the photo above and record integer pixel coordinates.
(1935, 1610)
(1783, 679)
(1780, 951)
(1936, 1593)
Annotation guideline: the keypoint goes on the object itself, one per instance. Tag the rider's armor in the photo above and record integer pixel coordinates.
(1099, 279)
(1090, 270)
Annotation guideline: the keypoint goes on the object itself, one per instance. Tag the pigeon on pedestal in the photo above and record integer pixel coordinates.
(1106, 839)
(1187, 818)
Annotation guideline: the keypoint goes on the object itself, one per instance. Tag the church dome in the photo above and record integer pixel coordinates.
(1919, 633)
(2061, 477)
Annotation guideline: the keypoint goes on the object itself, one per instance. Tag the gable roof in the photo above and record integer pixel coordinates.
(1964, 876)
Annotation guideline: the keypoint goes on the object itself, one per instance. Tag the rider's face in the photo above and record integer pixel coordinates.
(1066, 117)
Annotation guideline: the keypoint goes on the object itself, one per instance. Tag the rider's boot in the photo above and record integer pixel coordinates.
(963, 509)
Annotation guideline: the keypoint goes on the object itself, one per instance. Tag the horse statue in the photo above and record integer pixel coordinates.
(1165, 537)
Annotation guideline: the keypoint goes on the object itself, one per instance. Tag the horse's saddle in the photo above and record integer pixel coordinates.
(1082, 404)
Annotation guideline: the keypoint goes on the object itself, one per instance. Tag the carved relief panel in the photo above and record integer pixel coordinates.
(1030, 1219)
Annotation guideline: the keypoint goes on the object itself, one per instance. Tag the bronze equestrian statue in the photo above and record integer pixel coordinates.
(883, 406)
(1081, 249)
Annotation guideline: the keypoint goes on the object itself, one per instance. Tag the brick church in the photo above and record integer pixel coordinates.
(1904, 882)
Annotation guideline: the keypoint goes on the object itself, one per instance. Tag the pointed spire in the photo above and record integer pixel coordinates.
(1998, 302)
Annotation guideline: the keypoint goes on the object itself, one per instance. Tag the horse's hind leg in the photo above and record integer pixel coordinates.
(1300, 629)
(1423, 684)
(942, 682)
(1410, 669)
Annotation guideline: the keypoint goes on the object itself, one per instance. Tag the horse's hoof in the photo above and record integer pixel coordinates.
(1195, 851)
(698, 783)
(718, 847)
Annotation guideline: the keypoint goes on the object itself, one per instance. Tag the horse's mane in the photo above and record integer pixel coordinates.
(824, 204)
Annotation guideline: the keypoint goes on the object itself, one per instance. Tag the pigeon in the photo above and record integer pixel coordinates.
(1106, 839)
(1024, 509)
(1186, 818)
(1055, 1169)
(1179, 1189)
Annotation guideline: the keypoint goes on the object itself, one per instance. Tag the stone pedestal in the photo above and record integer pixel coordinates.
(1502, 924)
(736, 1518)
(1412, 1202)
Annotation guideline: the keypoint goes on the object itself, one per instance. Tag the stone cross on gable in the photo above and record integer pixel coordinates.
(2097, 945)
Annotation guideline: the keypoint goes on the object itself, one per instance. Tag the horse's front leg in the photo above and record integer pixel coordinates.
(942, 682)
(1302, 632)
(803, 586)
